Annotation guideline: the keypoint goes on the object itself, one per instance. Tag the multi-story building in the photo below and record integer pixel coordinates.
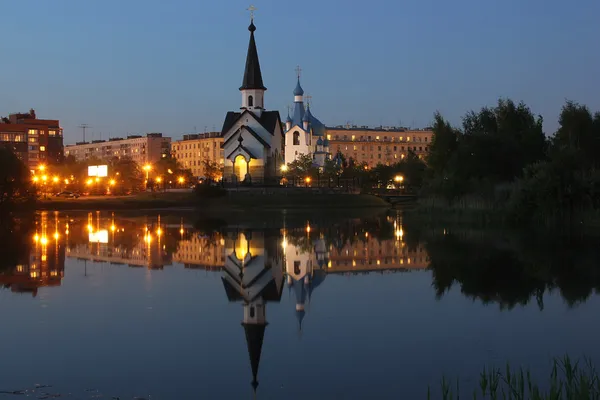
(34, 141)
(194, 149)
(382, 145)
(141, 149)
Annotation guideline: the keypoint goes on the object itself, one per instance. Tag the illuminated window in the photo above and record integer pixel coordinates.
(32, 131)
(33, 140)
(42, 148)
(353, 137)
(376, 137)
(51, 133)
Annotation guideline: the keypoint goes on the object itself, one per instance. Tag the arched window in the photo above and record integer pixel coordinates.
(250, 101)
(297, 267)
(251, 312)
(296, 138)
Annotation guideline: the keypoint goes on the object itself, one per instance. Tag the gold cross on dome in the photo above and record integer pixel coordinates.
(251, 9)
(308, 99)
(298, 71)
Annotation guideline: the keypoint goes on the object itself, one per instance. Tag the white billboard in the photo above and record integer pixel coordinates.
(100, 171)
(99, 237)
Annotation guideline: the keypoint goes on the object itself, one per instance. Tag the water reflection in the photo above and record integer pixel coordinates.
(297, 254)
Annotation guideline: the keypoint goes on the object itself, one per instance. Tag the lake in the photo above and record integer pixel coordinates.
(285, 305)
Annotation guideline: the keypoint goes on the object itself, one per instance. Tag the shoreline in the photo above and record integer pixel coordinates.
(230, 203)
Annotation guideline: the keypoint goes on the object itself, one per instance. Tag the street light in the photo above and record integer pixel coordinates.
(112, 182)
(41, 167)
(147, 168)
(284, 168)
(55, 179)
(181, 180)
(399, 178)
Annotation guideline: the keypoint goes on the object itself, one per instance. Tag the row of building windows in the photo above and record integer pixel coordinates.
(396, 148)
(12, 137)
(192, 146)
(377, 138)
(51, 132)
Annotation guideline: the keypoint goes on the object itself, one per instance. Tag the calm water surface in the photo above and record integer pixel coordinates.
(290, 306)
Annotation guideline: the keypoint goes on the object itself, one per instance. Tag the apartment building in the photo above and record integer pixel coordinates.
(34, 141)
(382, 145)
(196, 148)
(142, 149)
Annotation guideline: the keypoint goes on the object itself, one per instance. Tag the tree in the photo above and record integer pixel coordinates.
(127, 174)
(15, 180)
(302, 167)
(212, 170)
(443, 145)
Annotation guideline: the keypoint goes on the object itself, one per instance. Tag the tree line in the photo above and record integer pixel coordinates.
(500, 158)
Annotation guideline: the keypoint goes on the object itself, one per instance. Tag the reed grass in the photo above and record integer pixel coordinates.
(567, 381)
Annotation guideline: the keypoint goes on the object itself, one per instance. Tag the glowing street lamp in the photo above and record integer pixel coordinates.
(35, 179)
(55, 179)
(147, 168)
(89, 182)
(112, 182)
(42, 167)
(44, 178)
(159, 179)
(284, 168)
(399, 178)
(181, 180)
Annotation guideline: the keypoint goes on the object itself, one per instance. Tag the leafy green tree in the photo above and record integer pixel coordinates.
(128, 175)
(302, 167)
(212, 170)
(15, 180)
(443, 145)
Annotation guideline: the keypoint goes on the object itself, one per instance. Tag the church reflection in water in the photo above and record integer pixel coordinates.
(255, 264)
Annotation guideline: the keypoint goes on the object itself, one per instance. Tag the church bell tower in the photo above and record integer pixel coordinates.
(253, 89)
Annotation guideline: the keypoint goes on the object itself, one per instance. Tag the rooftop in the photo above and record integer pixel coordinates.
(349, 127)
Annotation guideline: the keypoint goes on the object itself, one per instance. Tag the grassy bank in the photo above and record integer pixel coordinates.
(232, 201)
(567, 380)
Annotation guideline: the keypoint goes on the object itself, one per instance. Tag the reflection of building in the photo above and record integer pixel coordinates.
(305, 261)
(45, 265)
(119, 242)
(201, 252)
(195, 149)
(253, 275)
(141, 149)
(33, 140)
(372, 254)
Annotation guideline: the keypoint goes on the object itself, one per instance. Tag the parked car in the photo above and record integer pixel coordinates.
(70, 195)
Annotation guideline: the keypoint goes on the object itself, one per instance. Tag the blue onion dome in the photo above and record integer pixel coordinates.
(252, 28)
(298, 91)
(320, 142)
(306, 117)
(288, 119)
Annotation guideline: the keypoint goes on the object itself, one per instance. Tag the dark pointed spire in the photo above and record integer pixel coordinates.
(252, 74)
(254, 339)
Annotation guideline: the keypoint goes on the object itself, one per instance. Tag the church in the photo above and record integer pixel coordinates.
(253, 138)
(304, 133)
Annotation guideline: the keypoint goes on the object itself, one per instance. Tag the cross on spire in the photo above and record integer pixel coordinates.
(308, 99)
(252, 9)
(298, 71)
(289, 108)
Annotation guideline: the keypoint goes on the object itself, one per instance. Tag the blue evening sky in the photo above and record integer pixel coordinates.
(133, 66)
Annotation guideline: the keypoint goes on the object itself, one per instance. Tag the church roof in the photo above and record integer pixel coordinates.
(255, 334)
(317, 126)
(252, 75)
(268, 119)
(298, 91)
(252, 132)
(271, 292)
